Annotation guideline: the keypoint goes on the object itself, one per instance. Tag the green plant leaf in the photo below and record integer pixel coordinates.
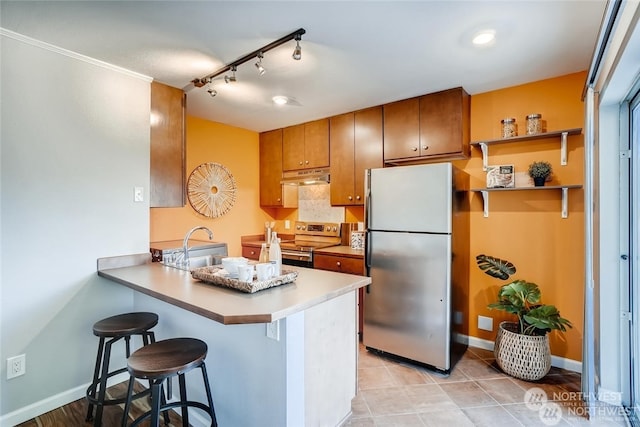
(495, 267)
(547, 317)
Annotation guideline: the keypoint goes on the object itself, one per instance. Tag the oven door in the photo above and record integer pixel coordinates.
(297, 258)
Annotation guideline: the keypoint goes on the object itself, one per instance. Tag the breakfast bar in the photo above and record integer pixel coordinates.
(284, 356)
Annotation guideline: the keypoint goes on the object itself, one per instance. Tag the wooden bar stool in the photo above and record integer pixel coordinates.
(111, 330)
(160, 361)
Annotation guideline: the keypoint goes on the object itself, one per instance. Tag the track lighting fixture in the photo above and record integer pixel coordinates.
(259, 66)
(231, 79)
(212, 92)
(297, 52)
(259, 53)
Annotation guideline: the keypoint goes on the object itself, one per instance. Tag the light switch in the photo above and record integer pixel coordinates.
(138, 194)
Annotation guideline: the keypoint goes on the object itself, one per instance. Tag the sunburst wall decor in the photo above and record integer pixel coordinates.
(211, 190)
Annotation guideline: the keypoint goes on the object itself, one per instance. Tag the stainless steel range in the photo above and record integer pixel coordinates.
(309, 236)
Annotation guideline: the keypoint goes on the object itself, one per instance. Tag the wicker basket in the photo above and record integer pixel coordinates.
(522, 356)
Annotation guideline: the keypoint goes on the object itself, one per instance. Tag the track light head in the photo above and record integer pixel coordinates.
(297, 51)
(261, 69)
(232, 78)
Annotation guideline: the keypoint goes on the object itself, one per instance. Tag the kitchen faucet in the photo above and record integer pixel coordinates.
(185, 243)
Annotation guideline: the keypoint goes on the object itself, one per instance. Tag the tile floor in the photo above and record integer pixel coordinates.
(476, 393)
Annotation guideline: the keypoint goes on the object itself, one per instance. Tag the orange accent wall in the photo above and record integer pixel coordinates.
(238, 150)
(525, 227)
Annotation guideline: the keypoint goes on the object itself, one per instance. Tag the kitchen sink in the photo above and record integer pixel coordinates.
(194, 262)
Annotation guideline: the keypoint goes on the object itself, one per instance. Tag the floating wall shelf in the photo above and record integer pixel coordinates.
(484, 145)
(565, 195)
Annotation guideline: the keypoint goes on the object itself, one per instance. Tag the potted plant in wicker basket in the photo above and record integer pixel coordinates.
(522, 348)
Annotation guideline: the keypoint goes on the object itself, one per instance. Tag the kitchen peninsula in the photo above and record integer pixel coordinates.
(283, 356)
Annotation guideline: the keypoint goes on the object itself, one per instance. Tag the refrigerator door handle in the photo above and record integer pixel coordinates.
(367, 256)
(367, 198)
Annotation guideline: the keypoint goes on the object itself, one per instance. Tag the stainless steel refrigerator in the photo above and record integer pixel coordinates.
(416, 247)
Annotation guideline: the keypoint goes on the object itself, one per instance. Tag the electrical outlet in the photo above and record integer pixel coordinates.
(287, 224)
(485, 323)
(16, 366)
(273, 330)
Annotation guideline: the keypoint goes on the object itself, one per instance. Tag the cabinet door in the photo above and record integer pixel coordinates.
(271, 168)
(367, 147)
(444, 123)
(293, 147)
(316, 144)
(401, 129)
(341, 143)
(167, 141)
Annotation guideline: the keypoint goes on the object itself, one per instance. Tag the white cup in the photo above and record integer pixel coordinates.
(245, 273)
(264, 271)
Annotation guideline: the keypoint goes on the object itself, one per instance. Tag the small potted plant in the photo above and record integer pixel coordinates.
(540, 171)
(522, 348)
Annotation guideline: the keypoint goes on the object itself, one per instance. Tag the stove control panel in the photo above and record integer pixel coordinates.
(327, 229)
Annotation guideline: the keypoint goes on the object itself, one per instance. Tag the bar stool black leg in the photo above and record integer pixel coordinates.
(183, 401)
(96, 373)
(156, 392)
(214, 422)
(103, 381)
(127, 404)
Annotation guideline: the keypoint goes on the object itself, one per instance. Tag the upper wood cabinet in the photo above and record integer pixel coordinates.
(272, 192)
(306, 146)
(429, 127)
(167, 157)
(356, 145)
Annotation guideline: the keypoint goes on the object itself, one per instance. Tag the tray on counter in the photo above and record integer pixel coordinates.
(212, 274)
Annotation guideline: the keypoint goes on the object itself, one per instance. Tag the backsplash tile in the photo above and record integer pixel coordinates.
(314, 204)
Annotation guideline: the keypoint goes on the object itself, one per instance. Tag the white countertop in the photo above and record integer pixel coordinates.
(228, 306)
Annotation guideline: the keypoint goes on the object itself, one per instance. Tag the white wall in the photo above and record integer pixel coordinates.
(74, 143)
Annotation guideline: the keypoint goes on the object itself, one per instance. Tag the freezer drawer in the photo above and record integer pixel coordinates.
(407, 306)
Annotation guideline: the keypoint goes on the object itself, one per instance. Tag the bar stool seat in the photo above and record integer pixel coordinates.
(162, 360)
(110, 330)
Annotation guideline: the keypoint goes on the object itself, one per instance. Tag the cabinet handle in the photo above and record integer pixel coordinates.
(306, 162)
(357, 197)
(300, 163)
(338, 263)
(425, 147)
(350, 198)
(253, 252)
(414, 149)
(278, 200)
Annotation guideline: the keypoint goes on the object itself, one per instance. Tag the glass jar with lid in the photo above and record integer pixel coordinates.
(509, 127)
(534, 124)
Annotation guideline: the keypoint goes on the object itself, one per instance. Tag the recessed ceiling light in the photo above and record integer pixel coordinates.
(483, 38)
(280, 100)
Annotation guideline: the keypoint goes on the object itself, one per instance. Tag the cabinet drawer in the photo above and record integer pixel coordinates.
(251, 252)
(339, 264)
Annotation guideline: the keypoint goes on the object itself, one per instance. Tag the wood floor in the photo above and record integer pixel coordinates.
(74, 413)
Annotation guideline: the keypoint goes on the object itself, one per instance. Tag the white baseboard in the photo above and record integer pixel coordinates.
(50, 403)
(558, 362)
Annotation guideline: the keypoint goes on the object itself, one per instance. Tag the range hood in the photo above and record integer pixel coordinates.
(306, 177)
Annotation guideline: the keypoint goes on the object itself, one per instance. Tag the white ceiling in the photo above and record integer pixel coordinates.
(355, 54)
